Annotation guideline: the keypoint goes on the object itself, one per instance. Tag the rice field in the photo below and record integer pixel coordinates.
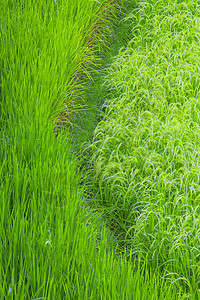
(110, 212)
(146, 153)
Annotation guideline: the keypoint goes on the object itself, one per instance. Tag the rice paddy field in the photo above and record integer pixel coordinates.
(99, 149)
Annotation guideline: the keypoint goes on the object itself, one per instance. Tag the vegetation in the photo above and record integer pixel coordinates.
(146, 150)
(140, 239)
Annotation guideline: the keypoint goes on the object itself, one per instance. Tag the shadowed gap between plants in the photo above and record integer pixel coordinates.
(85, 121)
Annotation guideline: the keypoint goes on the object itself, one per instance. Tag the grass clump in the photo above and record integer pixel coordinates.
(146, 150)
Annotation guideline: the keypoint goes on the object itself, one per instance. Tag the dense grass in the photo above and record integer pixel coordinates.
(45, 226)
(146, 149)
(52, 244)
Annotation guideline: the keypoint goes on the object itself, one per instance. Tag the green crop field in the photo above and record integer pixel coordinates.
(99, 149)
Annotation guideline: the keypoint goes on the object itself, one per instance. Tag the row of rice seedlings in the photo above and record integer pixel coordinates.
(146, 149)
(51, 245)
(48, 248)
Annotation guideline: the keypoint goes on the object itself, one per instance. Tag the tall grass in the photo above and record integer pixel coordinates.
(52, 245)
(32, 33)
(146, 148)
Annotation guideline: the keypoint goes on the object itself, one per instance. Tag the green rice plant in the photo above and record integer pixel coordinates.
(52, 245)
(146, 149)
(67, 35)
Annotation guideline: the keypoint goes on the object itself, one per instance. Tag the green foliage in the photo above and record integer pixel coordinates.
(146, 154)
(52, 245)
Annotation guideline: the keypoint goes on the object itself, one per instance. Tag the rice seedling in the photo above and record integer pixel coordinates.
(52, 245)
(146, 150)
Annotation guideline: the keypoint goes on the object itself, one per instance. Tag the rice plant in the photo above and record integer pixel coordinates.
(52, 244)
(146, 149)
